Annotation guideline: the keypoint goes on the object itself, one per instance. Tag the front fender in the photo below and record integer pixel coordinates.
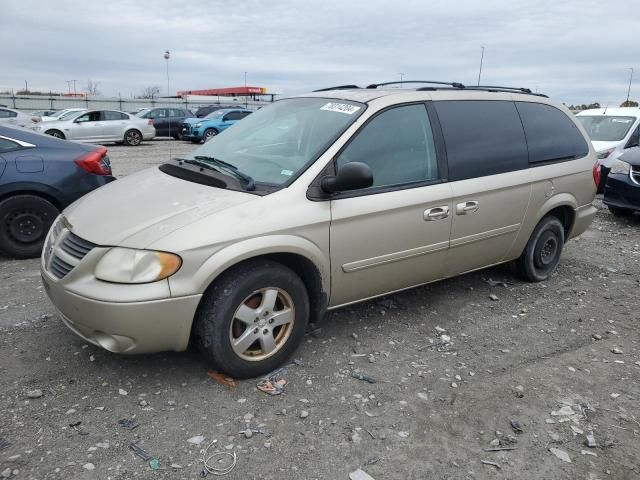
(223, 259)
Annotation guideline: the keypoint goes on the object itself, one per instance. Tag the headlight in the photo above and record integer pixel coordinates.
(126, 265)
(618, 166)
(197, 125)
(605, 153)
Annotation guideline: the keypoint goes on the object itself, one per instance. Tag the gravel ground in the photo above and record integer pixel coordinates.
(540, 355)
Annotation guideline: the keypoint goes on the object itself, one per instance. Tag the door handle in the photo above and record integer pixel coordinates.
(466, 207)
(436, 213)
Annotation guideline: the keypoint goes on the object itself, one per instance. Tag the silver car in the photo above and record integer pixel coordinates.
(62, 114)
(99, 126)
(8, 116)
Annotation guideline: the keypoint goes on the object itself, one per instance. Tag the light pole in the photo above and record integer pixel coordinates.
(629, 89)
(481, 59)
(167, 55)
(401, 79)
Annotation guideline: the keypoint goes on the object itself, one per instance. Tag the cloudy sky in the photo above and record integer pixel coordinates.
(577, 51)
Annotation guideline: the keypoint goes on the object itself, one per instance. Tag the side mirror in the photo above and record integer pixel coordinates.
(352, 176)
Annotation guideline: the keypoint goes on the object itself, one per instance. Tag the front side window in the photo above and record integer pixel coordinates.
(215, 114)
(232, 116)
(89, 117)
(277, 142)
(482, 137)
(397, 145)
(551, 135)
(606, 128)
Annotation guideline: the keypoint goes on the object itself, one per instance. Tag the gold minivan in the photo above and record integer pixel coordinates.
(317, 202)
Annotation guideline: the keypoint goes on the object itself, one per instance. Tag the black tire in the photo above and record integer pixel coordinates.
(24, 223)
(604, 174)
(132, 137)
(209, 133)
(177, 136)
(215, 318)
(620, 212)
(196, 141)
(542, 253)
(56, 134)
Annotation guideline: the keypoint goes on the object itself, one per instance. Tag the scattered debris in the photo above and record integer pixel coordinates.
(33, 394)
(122, 392)
(271, 387)
(140, 452)
(222, 379)
(617, 350)
(360, 474)
(403, 434)
(596, 336)
(128, 423)
(499, 449)
(495, 283)
(248, 433)
(493, 464)
(154, 464)
(197, 440)
(360, 376)
(4, 443)
(217, 467)
(441, 344)
(304, 414)
(373, 460)
(561, 454)
(494, 297)
(566, 410)
(587, 452)
(515, 425)
(590, 440)
(89, 466)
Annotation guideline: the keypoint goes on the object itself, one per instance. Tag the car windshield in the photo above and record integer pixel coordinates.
(607, 128)
(273, 144)
(58, 113)
(216, 114)
(69, 115)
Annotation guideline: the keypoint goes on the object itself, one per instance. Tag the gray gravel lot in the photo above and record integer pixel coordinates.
(541, 355)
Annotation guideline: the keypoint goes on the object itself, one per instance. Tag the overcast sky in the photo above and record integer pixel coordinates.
(577, 51)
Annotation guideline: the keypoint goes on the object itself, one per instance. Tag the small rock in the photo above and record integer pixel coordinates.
(458, 377)
(176, 466)
(566, 410)
(423, 396)
(356, 438)
(554, 436)
(590, 440)
(71, 411)
(360, 474)
(494, 443)
(561, 454)
(13, 458)
(37, 393)
(440, 330)
(248, 417)
(143, 403)
(122, 392)
(354, 335)
(6, 473)
(493, 297)
(617, 350)
(372, 359)
(454, 385)
(596, 336)
(248, 433)
(587, 452)
(197, 440)
(92, 358)
(172, 403)
(267, 444)
(89, 466)
(505, 350)
(403, 434)
(304, 414)
(615, 395)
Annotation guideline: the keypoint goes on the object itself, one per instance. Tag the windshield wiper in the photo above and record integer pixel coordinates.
(247, 181)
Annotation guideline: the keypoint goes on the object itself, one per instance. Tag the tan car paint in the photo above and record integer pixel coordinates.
(363, 246)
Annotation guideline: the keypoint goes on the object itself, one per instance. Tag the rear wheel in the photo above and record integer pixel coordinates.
(620, 212)
(542, 253)
(24, 223)
(252, 319)
(132, 138)
(55, 133)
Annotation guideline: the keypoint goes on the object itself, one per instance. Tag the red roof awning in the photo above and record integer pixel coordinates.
(226, 91)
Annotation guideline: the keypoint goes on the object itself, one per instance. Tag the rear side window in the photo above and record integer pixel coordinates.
(7, 114)
(111, 115)
(482, 137)
(551, 135)
(7, 145)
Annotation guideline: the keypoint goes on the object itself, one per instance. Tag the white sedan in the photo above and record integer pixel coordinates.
(9, 116)
(100, 126)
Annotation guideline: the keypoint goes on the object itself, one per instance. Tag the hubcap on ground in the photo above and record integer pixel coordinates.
(262, 324)
(25, 226)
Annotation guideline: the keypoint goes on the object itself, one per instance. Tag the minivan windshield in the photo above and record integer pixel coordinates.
(275, 143)
(606, 128)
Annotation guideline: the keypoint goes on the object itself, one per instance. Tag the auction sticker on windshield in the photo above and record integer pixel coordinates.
(340, 107)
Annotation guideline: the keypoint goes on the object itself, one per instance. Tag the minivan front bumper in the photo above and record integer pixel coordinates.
(125, 327)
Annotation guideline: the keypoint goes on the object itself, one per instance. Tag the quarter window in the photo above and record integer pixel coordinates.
(551, 135)
(482, 137)
(7, 114)
(111, 115)
(7, 145)
(397, 145)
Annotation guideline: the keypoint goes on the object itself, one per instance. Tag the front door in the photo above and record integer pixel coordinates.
(394, 234)
(87, 127)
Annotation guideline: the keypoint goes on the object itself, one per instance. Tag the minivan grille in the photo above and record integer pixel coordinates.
(64, 250)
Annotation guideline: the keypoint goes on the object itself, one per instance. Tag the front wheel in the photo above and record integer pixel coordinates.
(24, 223)
(132, 138)
(542, 253)
(252, 319)
(55, 133)
(209, 133)
(620, 212)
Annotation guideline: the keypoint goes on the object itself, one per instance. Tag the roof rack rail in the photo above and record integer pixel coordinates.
(495, 88)
(339, 87)
(451, 84)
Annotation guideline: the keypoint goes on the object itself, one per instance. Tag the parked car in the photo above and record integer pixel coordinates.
(612, 131)
(203, 129)
(39, 177)
(63, 114)
(622, 191)
(167, 121)
(238, 245)
(43, 113)
(9, 116)
(202, 112)
(99, 126)
(138, 110)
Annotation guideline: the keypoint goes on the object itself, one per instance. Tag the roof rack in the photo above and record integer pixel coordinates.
(339, 87)
(450, 84)
(494, 88)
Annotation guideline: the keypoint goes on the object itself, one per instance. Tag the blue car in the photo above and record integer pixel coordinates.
(39, 176)
(199, 129)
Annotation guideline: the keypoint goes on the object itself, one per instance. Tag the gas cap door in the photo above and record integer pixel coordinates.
(29, 164)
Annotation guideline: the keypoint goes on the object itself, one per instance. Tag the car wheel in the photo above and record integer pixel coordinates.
(620, 212)
(24, 223)
(542, 253)
(252, 319)
(209, 133)
(55, 133)
(177, 136)
(132, 138)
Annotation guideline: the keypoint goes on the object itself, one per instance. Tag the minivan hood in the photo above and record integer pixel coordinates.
(600, 146)
(140, 209)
